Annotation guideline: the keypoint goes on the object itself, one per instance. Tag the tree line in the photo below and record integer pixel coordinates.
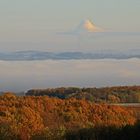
(121, 94)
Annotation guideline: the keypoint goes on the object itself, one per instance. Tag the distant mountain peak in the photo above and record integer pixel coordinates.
(88, 26)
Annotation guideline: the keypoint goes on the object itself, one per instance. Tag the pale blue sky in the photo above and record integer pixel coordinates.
(63, 14)
(24, 23)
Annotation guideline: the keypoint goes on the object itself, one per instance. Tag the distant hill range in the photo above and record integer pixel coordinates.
(120, 94)
(30, 55)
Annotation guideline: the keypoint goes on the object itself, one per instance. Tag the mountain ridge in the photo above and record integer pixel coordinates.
(30, 55)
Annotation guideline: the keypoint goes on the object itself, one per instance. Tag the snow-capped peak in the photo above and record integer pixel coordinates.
(88, 26)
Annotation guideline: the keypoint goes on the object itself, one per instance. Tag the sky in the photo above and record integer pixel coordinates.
(22, 19)
(38, 24)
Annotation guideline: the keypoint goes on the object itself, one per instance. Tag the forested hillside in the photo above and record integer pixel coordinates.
(122, 94)
(42, 117)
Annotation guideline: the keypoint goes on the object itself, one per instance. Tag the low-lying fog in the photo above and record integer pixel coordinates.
(24, 75)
